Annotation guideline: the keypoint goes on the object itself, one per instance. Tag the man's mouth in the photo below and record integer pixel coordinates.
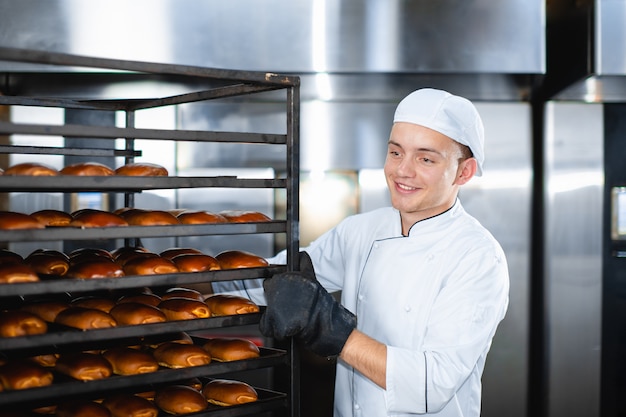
(405, 187)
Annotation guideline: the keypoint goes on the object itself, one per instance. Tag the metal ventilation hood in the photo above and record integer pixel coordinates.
(586, 45)
(343, 50)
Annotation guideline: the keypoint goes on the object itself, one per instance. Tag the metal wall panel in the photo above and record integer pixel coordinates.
(574, 168)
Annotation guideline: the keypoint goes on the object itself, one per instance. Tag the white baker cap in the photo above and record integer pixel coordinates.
(450, 115)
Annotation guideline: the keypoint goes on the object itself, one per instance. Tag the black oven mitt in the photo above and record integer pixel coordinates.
(298, 306)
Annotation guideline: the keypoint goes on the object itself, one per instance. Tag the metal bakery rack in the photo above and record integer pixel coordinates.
(78, 73)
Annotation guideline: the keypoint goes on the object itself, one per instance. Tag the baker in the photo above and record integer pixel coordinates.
(423, 284)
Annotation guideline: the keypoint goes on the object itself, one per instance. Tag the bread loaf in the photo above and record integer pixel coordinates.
(225, 392)
(136, 313)
(231, 349)
(81, 408)
(184, 309)
(180, 399)
(233, 259)
(142, 169)
(47, 310)
(11, 273)
(15, 323)
(193, 262)
(172, 252)
(200, 217)
(129, 405)
(52, 217)
(179, 355)
(85, 318)
(84, 366)
(143, 298)
(226, 305)
(128, 361)
(244, 216)
(96, 218)
(24, 374)
(95, 269)
(139, 217)
(87, 169)
(150, 265)
(179, 292)
(48, 262)
(10, 220)
(90, 301)
(32, 169)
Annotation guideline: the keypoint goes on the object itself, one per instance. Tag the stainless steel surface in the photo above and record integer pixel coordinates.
(574, 166)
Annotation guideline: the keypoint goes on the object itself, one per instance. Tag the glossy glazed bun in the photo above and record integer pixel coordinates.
(24, 374)
(225, 392)
(194, 262)
(10, 220)
(184, 309)
(226, 305)
(81, 408)
(231, 349)
(17, 323)
(95, 269)
(179, 355)
(233, 259)
(84, 366)
(143, 298)
(85, 318)
(31, 168)
(136, 313)
(172, 252)
(52, 217)
(128, 361)
(180, 399)
(96, 218)
(11, 273)
(179, 292)
(129, 405)
(48, 262)
(87, 169)
(142, 169)
(244, 216)
(151, 265)
(200, 217)
(91, 301)
(139, 217)
(46, 310)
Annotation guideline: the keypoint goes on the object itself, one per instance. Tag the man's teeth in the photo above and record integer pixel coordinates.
(406, 187)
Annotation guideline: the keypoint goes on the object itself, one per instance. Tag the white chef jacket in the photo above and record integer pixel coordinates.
(434, 297)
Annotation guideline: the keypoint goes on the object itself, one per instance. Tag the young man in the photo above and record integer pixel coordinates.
(423, 284)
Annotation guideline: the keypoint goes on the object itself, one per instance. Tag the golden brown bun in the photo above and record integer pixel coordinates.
(24, 374)
(179, 355)
(184, 309)
(194, 262)
(11, 273)
(81, 408)
(95, 269)
(87, 169)
(129, 405)
(155, 341)
(31, 168)
(52, 217)
(10, 220)
(126, 253)
(96, 218)
(84, 366)
(233, 259)
(136, 313)
(144, 298)
(243, 216)
(173, 252)
(200, 217)
(225, 392)
(142, 169)
(151, 265)
(10, 257)
(194, 383)
(139, 217)
(128, 361)
(88, 254)
(47, 360)
(46, 310)
(231, 349)
(48, 262)
(99, 303)
(226, 305)
(179, 292)
(17, 323)
(85, 318)
(180, 399)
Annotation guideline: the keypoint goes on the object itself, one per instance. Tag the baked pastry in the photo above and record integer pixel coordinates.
(139, 217)
(52, 217)
(172, 252)
(87, 169)
(154, 341)
(223, 349)
(136, 313)
(195, 262)
(227, 304)
(88, 254)
(233, 259)
(180, 355)
(244, 216)
(11, 273)
(81, 408)
(142, 169)
(32, 169)
(226, 392)
(184, 309)
(179, 292)
(10, 257)
(149, 265)
(126, 253)
(10, 220)
(143, 298)
(96, 218)
(15, 323)
(200, 217)
(180, 399)
(47, 310)
(85, 318)
(47, 360)
(130, 405)
(48, 262)
(24, 374)
(90, 301)
(128, 361)
(84, 366)
(95, 269)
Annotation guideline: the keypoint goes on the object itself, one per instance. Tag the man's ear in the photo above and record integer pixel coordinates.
(466, 171)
